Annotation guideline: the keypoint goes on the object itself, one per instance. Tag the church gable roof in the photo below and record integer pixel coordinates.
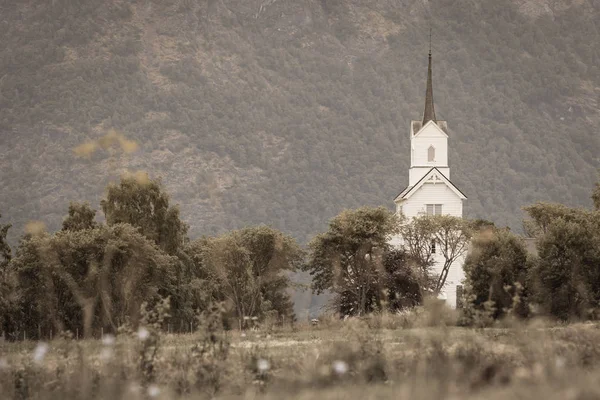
(433, 174)
(440, 126)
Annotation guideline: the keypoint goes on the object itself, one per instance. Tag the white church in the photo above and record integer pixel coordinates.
(430, 190)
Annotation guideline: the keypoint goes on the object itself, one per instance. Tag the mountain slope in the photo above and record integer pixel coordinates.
(285, 112)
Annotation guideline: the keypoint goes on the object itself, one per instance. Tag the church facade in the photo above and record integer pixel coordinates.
(430, 190)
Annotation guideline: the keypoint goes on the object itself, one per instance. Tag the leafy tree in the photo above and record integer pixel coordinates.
(596, 196)
(496, 270)
(417, 236)
(81, 216)
(403, 284)
(566, 276)
(348, 258)
(542, 215)
(450, 236)
(5, 250)
(250, 267)
(88, 279)
(143, 203)
(196, 285)
(7, 293)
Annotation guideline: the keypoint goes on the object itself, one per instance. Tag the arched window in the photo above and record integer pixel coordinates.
(431, 154)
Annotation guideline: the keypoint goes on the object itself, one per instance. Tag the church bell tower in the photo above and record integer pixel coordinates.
(428, 138)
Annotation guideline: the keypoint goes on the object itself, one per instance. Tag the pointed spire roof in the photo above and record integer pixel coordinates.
(429, 114)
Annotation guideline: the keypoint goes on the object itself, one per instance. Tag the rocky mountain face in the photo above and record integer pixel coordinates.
(285, 112)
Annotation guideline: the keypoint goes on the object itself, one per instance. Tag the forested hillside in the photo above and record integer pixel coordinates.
(287, 111)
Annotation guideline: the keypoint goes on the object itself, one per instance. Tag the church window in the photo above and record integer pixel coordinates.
(434, 209)
(431, 154)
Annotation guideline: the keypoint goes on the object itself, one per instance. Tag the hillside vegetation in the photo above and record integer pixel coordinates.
(286, 112)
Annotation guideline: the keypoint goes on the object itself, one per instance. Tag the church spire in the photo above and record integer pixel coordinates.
(429, 114)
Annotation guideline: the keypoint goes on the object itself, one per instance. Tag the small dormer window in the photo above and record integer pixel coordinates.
(431, 154)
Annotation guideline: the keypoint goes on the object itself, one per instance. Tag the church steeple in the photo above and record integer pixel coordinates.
(429, 114)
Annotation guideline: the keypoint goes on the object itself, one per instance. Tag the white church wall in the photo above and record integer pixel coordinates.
(420, 147)
(431, 193)
(414, 206)
(430, 135)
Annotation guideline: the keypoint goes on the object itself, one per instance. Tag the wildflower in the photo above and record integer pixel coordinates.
(243, 334)
(262, 365)
(340, 367)
(40, 352)
(153, 390)
(3, 363)
(108, 340)
(143, 334)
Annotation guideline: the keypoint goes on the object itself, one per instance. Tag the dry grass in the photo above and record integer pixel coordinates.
(383, 356)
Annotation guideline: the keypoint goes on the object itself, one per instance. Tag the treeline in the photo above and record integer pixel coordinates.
(92, 277)
(560, 279)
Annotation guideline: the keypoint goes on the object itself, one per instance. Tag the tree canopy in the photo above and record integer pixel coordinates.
(348, 259)
(88, 279)
(143, 203)
(496, 270)
(251, 268)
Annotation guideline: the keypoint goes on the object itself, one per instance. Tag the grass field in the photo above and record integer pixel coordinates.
(376, 358)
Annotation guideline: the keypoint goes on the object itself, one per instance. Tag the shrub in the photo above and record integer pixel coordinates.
(566, 276)
(496, 271)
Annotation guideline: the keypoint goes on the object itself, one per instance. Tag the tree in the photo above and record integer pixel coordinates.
(141, 202)
(196, 284)
(417, 237)
(7, 294)
(496, 270)
(403, 282)
(5, 250)
(88, 279)
(452, 236)
(566, 276)
(596, 196)
(347, 259)
(81, 216)
(250, 267)
(543, 215)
